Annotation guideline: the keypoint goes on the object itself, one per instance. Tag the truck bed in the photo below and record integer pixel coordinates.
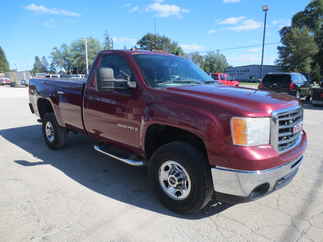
(66, 95)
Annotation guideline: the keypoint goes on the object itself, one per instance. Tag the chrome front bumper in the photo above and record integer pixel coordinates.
(253, 184)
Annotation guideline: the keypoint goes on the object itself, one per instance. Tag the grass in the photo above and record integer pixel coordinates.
(249, 84)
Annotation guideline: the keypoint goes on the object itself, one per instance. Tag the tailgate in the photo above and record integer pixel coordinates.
(317, 94)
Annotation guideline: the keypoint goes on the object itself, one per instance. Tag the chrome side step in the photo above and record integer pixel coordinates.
(127, 161)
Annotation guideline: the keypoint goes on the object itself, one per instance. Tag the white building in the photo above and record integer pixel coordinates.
(251, 73)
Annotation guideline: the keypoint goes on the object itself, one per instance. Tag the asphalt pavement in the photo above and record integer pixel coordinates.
(76, 194)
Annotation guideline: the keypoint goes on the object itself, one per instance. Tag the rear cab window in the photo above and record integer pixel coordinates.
(279, 80)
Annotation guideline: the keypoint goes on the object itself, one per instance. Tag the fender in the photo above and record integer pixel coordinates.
(199, 122)
(46, 92)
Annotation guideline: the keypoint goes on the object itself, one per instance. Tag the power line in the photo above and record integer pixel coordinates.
(244, 47)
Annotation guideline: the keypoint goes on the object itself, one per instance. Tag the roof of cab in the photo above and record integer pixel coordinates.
(137, 52)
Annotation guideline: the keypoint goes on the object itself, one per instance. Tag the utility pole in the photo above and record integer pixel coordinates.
(155, 32)
(265, 8)
(86, 58)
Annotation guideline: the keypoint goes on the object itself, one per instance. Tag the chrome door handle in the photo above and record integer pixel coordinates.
(60, 92)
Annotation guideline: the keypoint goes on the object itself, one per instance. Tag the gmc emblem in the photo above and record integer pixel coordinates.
(298, 128)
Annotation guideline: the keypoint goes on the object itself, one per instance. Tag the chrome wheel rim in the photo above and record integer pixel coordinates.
(174, 180)
(49, 131)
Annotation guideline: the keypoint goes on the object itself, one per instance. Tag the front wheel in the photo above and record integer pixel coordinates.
(181, 177)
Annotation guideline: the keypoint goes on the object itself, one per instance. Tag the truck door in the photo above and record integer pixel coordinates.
(113, 115)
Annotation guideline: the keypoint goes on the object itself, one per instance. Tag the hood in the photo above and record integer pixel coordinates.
(250, 102)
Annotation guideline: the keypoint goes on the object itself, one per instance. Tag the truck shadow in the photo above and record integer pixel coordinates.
(95, 171)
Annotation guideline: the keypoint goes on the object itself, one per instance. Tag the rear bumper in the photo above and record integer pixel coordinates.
(244, 185)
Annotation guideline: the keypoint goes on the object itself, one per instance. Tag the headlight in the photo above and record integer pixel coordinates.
(250, 131)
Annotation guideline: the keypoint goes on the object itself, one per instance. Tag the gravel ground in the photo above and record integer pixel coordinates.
(76, 194)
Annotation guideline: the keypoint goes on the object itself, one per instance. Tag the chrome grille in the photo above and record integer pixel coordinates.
(283, 134)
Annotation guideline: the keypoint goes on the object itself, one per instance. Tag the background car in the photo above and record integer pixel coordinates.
(225, 79)
(24, 83)
(294, 84)
(5, 81)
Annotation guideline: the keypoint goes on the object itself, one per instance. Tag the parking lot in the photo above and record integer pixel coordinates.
(76, 194)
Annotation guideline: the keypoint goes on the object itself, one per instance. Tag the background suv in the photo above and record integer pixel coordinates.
(294, 84)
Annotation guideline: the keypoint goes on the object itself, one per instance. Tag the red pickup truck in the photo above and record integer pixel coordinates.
(200, 142)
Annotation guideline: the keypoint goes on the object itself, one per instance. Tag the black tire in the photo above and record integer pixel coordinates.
(196, 166)
(57, 140)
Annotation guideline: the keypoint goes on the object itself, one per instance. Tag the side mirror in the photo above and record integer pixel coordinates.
(126, 76)
(106, 80)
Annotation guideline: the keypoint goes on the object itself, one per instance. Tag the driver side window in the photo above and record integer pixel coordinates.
(119, 65)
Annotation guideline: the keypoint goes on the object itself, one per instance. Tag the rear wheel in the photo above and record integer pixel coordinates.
(181, 177)
(54, 135)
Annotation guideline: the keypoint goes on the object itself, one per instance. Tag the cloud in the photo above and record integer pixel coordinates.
(212, 31)
(243, 58)
(232, 20)
(166, 10)
(280, 23)
(231, 1)
(245, 25)
(254, 50)
(54, 11)
(132, 8)
(192, 47)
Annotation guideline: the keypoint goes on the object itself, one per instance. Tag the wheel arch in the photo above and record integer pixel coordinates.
(158, 134)
(45, 105)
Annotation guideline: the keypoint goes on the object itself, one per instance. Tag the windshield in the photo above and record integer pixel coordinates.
(167, 70)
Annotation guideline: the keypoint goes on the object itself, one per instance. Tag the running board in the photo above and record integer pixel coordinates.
(124, 160)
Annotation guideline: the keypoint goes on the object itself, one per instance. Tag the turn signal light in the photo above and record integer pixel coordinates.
(239, 131)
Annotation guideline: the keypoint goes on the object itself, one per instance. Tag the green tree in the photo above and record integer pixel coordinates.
(52, 68)
(62, 59)
(45, 64)
(78, 53)
(319, 56)
(215, 62)
(108, 42)
(71, 58)
(158, 42)
(309, 20)
(197, 58)
(38, 66)
(298, 49)
(316, 72)
(311, 17)
(4, 65)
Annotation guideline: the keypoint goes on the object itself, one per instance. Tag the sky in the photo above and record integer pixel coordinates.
(32, 28)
